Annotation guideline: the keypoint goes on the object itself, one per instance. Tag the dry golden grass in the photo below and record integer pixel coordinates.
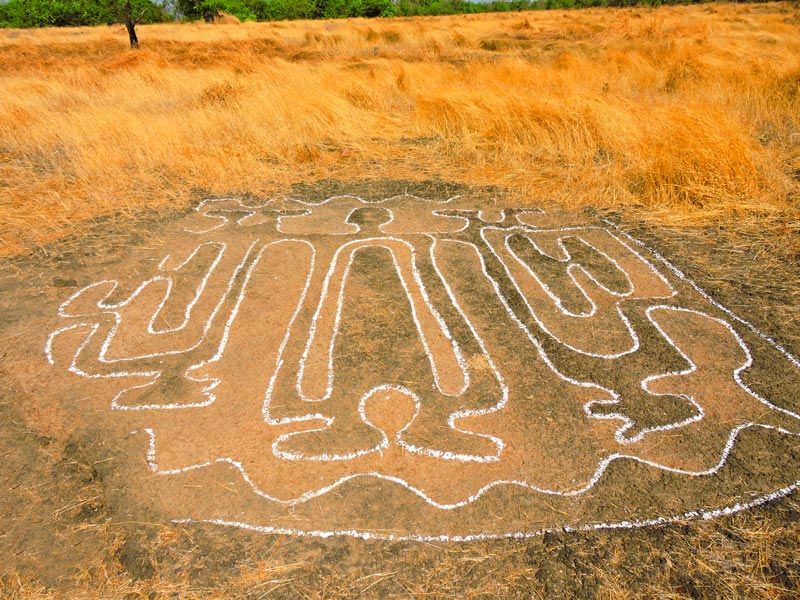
(688, 114)
(692, 113)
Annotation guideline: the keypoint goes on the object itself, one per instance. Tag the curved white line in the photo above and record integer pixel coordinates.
(635, 342)
(420, 287)
(706, 514)
(683, 277)
(602, 466)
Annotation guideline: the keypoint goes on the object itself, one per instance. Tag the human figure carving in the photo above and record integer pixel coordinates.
(412, 335)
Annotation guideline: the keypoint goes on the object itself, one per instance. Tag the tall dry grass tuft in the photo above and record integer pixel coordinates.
(688, 112)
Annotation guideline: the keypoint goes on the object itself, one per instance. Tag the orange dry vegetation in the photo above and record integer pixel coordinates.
(691, 113)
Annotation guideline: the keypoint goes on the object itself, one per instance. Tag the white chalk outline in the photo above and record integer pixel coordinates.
(700, 513)
(466, 215)
(693, 514)
(187, 313)
(683, 277)
(352, 248)
(368, 204)
(115, 309)
(628, 423)
(592, 481)
(225, 220)
(154, 375)
(251, 211)
(213, 382)
(523, 230)
(705, 514)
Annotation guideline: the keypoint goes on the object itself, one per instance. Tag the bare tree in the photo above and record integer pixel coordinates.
(130, 24)
(133, 12)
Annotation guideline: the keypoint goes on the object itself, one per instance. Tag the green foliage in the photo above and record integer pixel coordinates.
(373, 8)
(449, 7)
(273, 10)
(68, 13)
(198, 9)
(36, 13)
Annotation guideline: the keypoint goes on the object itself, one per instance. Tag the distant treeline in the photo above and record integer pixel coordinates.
(44, 13)
(68, 13)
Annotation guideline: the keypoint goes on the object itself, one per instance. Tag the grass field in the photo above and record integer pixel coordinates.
(683, 121)
(691, 113)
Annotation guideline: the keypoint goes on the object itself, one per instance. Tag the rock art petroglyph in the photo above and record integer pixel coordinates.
(464, 360)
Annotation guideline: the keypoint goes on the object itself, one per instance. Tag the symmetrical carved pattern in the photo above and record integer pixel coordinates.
(444, 350)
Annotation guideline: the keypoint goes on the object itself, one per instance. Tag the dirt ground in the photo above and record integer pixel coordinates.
(83, 512)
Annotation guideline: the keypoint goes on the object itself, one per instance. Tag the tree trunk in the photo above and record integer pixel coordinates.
(130, 25)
